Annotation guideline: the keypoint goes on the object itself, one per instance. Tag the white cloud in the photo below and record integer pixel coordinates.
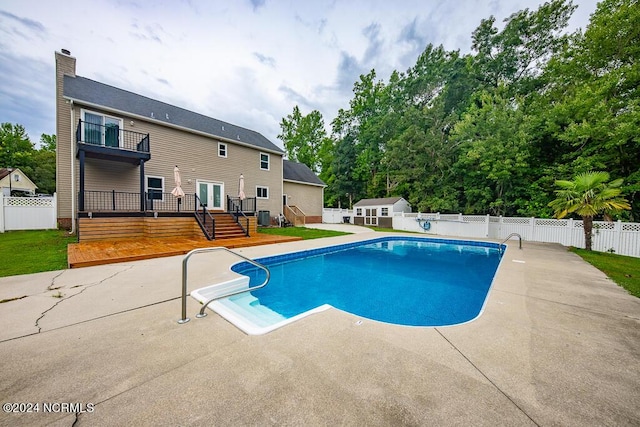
(248, 63)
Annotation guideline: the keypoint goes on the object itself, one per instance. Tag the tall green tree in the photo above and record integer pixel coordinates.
(589, 194)
(16, 150)
(593, 96)
(304, 138)
(494, 160)
(44, 165)
(516, 55)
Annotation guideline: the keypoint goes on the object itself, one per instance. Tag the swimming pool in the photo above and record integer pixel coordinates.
(402, 280)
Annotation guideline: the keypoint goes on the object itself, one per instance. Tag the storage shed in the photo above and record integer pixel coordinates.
(379, 212)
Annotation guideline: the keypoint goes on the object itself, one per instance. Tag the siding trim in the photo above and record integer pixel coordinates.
(304, 183)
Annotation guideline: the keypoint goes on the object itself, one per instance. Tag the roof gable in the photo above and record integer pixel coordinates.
(5, 172)
(379, 202)
(99, 94)
(299, 172)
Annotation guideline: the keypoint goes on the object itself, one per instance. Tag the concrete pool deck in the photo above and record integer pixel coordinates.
(558, 344)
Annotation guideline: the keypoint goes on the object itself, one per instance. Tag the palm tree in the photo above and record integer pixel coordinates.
(588, 195)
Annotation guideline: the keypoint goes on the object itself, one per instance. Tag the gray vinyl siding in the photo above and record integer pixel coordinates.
(196, 156)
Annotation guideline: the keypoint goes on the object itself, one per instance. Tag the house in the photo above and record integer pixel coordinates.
(116, 154)
(13, 181)
(303, 197)
(379, 212)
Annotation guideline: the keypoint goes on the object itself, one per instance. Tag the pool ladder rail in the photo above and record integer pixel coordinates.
(185, 261)
(509, 237)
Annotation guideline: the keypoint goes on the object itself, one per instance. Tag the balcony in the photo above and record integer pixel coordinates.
(110, 142)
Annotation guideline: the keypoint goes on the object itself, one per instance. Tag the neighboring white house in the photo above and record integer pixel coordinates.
(13, 180)
(379, 212)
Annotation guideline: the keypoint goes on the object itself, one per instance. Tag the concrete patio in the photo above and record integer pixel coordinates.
(558, 344)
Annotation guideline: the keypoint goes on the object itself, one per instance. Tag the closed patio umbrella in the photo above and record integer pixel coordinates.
(241, 194)
(177, 191)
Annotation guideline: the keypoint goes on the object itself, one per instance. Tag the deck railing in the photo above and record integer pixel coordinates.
(121, 201)
(247, 205)
(112, 136)
(154, 200)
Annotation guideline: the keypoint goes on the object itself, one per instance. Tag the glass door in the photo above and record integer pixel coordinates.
(210, 194)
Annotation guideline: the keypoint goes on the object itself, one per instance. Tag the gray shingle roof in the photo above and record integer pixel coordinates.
(87, 90)
(378, 202)
(300, 172)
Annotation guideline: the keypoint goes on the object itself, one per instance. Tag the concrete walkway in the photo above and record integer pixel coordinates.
(558, 344)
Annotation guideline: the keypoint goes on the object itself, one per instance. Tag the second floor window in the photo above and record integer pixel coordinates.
(222, 149)
(384, 212)
(264, 161)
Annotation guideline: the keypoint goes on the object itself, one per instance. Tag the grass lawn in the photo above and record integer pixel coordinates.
(624, 270)
(33, 251)
(305, 233)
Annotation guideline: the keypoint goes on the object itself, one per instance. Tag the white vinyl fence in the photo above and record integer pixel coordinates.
(27, 213)
(622, 238)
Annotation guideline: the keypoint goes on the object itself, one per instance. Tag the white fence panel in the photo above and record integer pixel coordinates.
(28, 213)
(336, 216)
(619, 237)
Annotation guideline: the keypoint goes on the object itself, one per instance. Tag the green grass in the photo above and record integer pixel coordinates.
(624, 270)
(25, 252)
(305, 233)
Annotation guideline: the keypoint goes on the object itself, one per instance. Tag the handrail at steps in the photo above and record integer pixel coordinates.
(184, 318)
(510, 236)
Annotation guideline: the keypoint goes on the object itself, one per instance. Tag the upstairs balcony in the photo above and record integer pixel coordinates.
(110, 142)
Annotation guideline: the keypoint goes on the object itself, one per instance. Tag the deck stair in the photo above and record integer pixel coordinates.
(227, 227)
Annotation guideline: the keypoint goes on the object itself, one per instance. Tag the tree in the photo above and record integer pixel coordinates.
(304, 137)
(588, 194)
(16, 150)
(593, 96)
(44, 165)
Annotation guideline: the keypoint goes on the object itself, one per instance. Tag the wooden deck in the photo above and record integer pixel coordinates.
(86, 254)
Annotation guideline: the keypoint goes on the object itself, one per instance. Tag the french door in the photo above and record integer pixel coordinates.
(210, 194)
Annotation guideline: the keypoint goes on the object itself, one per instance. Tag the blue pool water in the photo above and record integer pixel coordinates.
(400, 280)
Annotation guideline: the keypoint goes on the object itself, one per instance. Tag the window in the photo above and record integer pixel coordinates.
(155, 187)
(99, 129)
(359, 212)
(264, 161)
(222, 149)
(384, 211)
(262, 192)
(16, 177)
(370, 217)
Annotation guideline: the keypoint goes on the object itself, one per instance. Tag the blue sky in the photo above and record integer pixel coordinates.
(247, 62)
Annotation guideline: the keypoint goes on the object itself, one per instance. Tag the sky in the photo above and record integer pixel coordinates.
(246, 62)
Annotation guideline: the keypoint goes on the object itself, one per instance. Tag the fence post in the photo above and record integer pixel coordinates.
(486, 226)
(616, 237)
(570, 234)
(2, 211)
(532, 224)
